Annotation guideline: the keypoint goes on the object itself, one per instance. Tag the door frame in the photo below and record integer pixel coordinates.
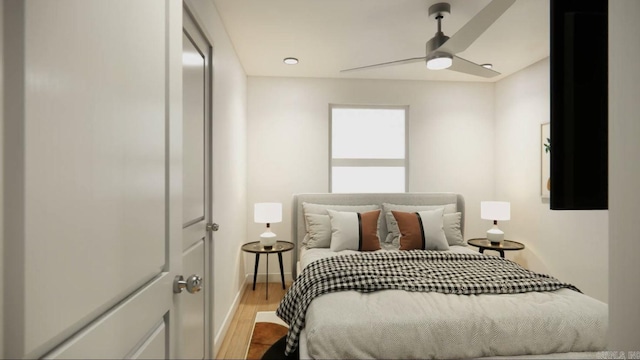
(190, 11)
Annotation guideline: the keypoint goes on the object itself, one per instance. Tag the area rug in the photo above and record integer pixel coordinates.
(268, 338)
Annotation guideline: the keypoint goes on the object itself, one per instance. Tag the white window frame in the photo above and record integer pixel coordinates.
(370, 162)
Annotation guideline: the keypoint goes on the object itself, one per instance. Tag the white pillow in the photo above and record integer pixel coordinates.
(452, 229)
(354, 231)
(321, 209)
(392, 228)
(421, 230)
(319, 231)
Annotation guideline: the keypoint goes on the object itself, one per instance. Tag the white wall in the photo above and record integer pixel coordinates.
(570, 245)
(229, 169)
(624, 176)
(451, 141)
(453, 129)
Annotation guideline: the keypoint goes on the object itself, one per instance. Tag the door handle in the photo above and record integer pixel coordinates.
(213, 227)
(193, 284)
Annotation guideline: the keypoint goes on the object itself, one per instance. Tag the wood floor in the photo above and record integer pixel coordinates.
(234, 345)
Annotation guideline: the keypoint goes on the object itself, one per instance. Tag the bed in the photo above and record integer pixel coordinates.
(406, 322)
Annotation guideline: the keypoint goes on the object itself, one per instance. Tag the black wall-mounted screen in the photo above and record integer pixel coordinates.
(579, 104)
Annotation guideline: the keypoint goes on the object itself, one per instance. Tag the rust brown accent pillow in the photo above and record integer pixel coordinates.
(411, 235)
(421, 230)
(369, 240)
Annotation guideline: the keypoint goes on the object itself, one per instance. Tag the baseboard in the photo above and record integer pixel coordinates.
(219, 338)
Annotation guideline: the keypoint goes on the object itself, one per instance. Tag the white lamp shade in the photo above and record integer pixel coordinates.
(267, 213)
(495, 210)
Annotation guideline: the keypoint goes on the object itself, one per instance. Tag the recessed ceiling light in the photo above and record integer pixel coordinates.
(488, 66)
(290, 61)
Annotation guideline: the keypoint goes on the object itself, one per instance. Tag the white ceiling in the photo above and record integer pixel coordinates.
(330, 35)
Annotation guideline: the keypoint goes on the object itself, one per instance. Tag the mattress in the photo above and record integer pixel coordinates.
(400, 324)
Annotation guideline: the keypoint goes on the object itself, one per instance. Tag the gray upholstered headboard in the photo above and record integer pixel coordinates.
(298, 228)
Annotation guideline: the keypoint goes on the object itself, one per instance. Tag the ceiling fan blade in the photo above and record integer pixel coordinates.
(465, 66)
(472, 30)
(390, 63)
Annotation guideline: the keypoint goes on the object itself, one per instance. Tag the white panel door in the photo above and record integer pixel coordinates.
(196, 194)
(94, 122)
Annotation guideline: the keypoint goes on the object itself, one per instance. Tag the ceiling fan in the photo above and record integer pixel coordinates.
(441, 49)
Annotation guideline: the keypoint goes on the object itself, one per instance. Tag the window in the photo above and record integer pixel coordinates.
(368, 149)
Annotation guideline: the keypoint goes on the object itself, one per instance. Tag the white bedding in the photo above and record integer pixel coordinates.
(395, 323)
(307, 256)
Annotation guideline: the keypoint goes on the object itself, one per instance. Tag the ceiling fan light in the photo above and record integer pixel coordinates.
(440, 62)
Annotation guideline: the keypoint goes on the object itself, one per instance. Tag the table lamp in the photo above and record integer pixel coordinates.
(495, 210)
(267, 213)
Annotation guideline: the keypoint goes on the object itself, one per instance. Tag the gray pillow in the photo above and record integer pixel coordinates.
(318, 231)
(452, 229)
(310, 208)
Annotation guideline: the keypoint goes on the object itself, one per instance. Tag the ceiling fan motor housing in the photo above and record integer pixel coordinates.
(436, 41)
(437, 11)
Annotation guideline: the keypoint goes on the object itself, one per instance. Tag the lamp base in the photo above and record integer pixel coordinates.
(268, 239)
(495, 235)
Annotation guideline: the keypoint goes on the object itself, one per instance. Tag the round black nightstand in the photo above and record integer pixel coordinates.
(278, 248)
(506, 245)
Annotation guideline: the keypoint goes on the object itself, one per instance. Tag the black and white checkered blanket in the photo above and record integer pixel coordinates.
(416, 270)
